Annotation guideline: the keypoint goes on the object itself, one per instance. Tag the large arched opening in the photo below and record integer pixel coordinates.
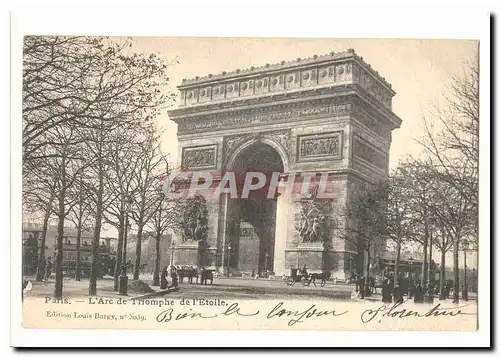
(251, 225)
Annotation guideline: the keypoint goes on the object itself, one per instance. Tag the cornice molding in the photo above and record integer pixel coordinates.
(288, 78)
(332, 57)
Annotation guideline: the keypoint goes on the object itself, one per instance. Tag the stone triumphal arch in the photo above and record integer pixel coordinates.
(326, 114)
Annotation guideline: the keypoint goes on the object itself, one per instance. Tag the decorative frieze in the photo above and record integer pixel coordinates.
(250, 118)
(319, 146)
(246, 232)
(200, 157)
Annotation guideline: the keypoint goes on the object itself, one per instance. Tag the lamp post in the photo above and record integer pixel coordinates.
(465, 248)
(354, 273)
(410, 271)
(410, 277)
(228, 257)
(172, 249)
(125, 236)
(266, 256)
(473, 287)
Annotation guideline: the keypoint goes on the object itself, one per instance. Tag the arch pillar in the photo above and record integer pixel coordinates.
(280, 236)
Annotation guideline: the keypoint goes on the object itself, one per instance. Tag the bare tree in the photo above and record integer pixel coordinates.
(82, 214)
(152, 166)
(453, 148)
(132, 85)
(444, 242)
(421, 198)
(38, 197)
(399, 227)
(165, 216)
(65, 167)
(55, 74)
(365, 220)
(88, 89)
(124, 160)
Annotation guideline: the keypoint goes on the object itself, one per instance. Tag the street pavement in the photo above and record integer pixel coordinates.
(229, 288)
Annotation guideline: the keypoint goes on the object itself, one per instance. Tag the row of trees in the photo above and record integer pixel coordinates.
(433, 200)
(91, 143)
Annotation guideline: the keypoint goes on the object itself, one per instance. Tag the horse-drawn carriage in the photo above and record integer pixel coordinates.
(304, 279)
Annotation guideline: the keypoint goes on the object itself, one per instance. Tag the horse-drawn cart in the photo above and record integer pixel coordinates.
(305, 280)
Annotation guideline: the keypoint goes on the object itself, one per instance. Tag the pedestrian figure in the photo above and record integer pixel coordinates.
(398, 294)
(173, 275)
(465, 293)
(362, 287)
(430, 294)
(373, 285)
(354, 277)
(446, 291)
(387, 291)
(163, 279)
(411, 290)
(419, 295)
(48, 268)
(304, 272)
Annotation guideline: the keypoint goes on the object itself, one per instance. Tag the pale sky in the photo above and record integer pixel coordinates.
(419, 70)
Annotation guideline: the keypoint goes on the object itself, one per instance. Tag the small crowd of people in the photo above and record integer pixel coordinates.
(391, 293)
(395, 292)
(169, 271)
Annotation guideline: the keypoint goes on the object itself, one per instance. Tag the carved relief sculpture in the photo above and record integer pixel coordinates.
(324, 145)
(315, 220)
(194, 219)
(200, 157)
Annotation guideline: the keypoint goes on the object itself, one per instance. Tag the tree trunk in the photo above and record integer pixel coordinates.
(118, 261)
(367, 280)
(138, 248)
(78, 244)
(156, 275)
(398, 259)
(40, 269)
(125, 238)
(442, 278)
(94, 256)
(430, 275)
(58, 293)
(423, 277)
(456, 277)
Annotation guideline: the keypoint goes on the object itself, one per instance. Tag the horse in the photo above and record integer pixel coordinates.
(319, 276)
(206, 275)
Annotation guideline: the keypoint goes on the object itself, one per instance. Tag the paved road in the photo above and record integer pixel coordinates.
(221, 287)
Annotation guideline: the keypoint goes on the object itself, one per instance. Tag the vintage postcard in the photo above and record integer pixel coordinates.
(204, 183)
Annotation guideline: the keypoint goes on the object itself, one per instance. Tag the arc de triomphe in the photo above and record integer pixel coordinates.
(325, 114)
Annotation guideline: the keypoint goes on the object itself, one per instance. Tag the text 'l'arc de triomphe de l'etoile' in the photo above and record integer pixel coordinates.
(325, 114)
